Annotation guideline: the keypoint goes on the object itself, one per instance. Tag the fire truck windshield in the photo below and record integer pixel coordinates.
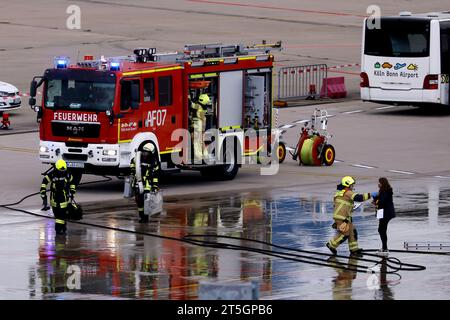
(79, 95)
(79, 89)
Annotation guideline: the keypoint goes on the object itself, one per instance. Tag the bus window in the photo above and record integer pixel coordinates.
(165, 91)
(445, 50)
(398, 38)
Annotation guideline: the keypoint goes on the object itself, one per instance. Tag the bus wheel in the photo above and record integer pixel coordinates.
(328, 155)
(281, 152)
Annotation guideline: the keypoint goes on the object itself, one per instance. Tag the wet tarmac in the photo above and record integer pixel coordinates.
(95, 263)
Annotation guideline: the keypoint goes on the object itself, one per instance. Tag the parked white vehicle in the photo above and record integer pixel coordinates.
(407, 60)
(9, 97)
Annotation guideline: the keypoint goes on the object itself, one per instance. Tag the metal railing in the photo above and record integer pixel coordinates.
(302, 81)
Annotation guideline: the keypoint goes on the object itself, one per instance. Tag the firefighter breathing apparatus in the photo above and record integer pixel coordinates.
(271, 249)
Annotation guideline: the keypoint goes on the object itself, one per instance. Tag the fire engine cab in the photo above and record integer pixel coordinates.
(95, 114)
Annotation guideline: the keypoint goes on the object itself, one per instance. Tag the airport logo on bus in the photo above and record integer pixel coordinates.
(398, 66)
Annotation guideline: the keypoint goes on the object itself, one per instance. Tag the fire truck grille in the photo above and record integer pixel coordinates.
(70, 156)
(82, 130)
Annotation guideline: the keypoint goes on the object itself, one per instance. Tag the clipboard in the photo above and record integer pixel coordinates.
(380, 213)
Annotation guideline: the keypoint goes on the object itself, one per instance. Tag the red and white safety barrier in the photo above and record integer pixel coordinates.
(321, 69)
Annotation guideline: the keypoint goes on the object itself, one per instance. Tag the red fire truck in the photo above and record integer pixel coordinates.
(95, 114)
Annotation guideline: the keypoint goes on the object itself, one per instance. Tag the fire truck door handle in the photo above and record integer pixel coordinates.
(174, 118)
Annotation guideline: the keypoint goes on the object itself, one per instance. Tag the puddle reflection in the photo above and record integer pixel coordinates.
(118, 265)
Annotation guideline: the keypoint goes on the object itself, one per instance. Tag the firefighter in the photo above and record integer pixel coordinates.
(198, 125)
(150, 170)
(62, 189)
(343, 208)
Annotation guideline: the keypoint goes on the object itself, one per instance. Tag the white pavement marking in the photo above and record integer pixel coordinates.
(287, 126)
(441, 177)
(402, 172)
(289, 148)
(338, 160)
(354, 111)
(301, 121)
(361, 166)
(387, 107)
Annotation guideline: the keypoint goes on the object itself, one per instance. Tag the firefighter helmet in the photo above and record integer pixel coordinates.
(61, 165)
(149, 147)
(203, 99)
(347, 181)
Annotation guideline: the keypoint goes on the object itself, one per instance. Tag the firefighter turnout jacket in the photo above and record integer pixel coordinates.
(61, 188)
(150, 174)
(343, 203)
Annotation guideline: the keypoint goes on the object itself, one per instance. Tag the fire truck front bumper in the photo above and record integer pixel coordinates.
(80, 155)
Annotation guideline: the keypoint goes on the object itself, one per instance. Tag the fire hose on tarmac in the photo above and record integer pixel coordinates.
(291, 254)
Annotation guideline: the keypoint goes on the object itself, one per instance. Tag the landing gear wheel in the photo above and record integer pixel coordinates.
(281, 152)
(328, 155)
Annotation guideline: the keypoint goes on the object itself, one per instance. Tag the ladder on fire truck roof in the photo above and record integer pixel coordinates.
(218, 50)
(192, 52)
(215, 50)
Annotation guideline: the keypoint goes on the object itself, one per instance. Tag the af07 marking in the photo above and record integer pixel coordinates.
(156, 117)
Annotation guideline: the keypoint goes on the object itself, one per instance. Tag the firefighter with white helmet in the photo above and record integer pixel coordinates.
(146, 179)
(62, 189)
(198, 124)
(344, 199)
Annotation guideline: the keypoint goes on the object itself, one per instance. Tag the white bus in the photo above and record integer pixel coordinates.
(407, 60)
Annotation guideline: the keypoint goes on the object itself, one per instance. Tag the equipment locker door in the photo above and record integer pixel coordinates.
(230, 99)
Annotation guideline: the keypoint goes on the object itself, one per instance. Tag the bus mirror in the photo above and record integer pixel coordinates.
(33, 86)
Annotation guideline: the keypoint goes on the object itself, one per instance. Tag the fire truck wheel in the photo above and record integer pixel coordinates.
(227, 171)
(328, 155)
(281, 152)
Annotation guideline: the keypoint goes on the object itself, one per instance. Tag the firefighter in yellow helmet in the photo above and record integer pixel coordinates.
(198, 124)
(344, 199)
(62, 189)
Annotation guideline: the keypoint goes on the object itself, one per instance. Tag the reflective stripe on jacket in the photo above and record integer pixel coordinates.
(344, 201)
(60, 188)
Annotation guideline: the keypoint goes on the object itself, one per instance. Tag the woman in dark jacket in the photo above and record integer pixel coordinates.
(384, 201)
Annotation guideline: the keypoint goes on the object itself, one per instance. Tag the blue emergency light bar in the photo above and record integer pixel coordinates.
(114, 66)
(61, 62)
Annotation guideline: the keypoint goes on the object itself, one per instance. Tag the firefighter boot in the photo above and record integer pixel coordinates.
(356, 253)
(142, 217)
(333, 250)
